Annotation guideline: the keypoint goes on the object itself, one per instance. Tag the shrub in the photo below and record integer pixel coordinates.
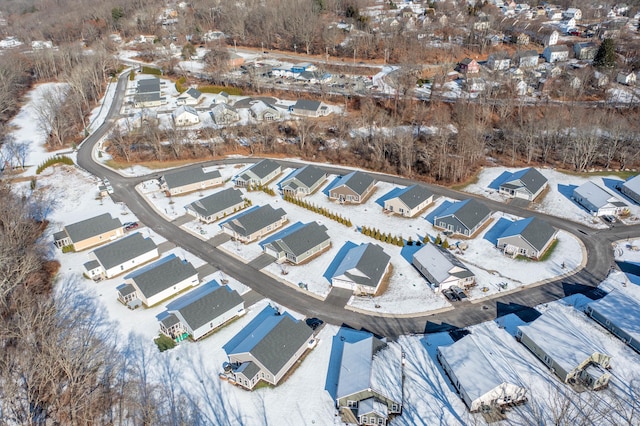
(54, 160)
(180, 84)
(445, 244)
(236, 91)
(150, 70)
(164, 342)
(132, 75)
(68, 249)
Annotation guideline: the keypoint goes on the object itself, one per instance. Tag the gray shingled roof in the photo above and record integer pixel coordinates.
(217, 202)
(148, 85)
(126, 289)
(255, 220)
(90, 265)
(162, 275)
(471, 213)
(249, 369)
(415, 195)
(148, 97)
(194, 93)
(278, 346)
(364, 264)
(170, 320)
(88, 228)
(439, 263)
(303, 239)
(357, 181)
(307, 105)
(263, 168)
(123, 250)
(308, 175)
(533, 230)
(209, 307)
(530, 178)
(188, 176)
(558, 48)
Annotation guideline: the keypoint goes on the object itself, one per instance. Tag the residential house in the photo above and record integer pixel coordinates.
(308, 108)
(556, 53)
(263, 111)
(631, 188)
(545, 36)
(157, 282)
(499, 62)
(353, 188)
(620, 314)
(597, 200)
(149, 93)
(185, 116)
(566, 350)
(626, 77)
(120, 256)
(362, 269)
(441, 268)
(260, 173)
(221, 98)
(201, 311)
(189, 180)
(554, 14)
(189, 97)
(224, 114)
(303, 181)
(526, 183)
(300, 244)
(585, 51)
(468, 66)
(463, 217)
(368, 390)
(89, 232)
(255, 224)
(529, 237)
(520, 38)
(527, 59)
(216, 206)
(409, 201)
(267, 348)
(478, 373)
(572, 13)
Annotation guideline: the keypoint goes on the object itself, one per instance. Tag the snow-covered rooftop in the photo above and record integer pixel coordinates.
(622, 310)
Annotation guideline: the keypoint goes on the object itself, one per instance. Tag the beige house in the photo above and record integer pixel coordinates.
(353, 188)
(409, 201)
(255, 224)
(189, 180)
(216, 206)
(89, 233)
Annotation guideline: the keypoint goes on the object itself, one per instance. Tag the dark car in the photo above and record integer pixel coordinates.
(459, 292)
(314, 323)
(450, 294)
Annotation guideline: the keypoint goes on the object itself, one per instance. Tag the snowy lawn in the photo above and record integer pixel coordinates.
(557, 201)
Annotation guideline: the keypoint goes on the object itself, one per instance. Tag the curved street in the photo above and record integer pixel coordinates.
(596, 242)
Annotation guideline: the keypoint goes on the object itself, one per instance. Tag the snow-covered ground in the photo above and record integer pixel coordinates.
(557, 201)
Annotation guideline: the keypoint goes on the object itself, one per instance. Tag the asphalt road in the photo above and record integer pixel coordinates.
(332, 309)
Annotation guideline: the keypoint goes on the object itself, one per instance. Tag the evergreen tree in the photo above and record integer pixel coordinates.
(425, 239)
(606, 54)
(438, 240)
(445, 244)
(410, 241)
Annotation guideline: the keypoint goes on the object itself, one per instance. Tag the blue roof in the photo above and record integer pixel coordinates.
(497, 230)
(194, 295)
(150, 267)
(516, 227)
(333, 266)
(437, 212)
(246, 333)
(395, 192)
(504, 177)
(344, 335)
(289, 176)
(335, 182)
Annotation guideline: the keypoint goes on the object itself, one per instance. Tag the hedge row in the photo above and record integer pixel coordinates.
(262, 188)
(236, 91)
(151, 70)
(321, 210)
(384, 237)
(54, 160)
(180, 85)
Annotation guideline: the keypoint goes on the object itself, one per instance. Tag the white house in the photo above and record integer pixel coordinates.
(441, 268)
(121, 256)
(556, 53)
(572, 12)
(156, 282)
(189, 97)
(201, 311)
(626, 77)
(409, 201)
(185, 116)
(477, 372)
(362, 269)
(597, 200)
(631, 188)
(526, 183)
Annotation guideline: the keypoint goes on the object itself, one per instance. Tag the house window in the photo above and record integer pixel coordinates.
(380, 421)
(394, 407)
(352, 404)
(547, 360)
(364, 420)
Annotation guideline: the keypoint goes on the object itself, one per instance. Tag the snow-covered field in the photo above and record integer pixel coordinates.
(429, 397)
(557, 201)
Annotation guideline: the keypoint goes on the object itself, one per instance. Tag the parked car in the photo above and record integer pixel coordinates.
(314, 323)
(450, 294)
(107, 185)
(460, 294)
(130, 225)
(609, 218)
